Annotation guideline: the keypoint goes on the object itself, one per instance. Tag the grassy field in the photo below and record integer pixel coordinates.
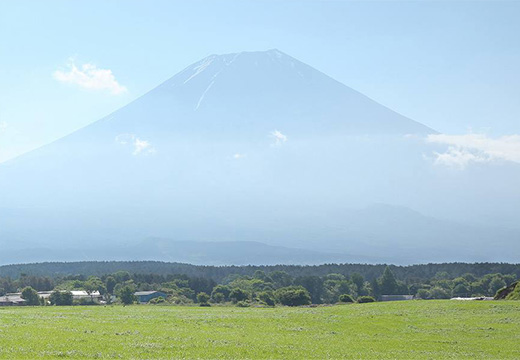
(412, 329)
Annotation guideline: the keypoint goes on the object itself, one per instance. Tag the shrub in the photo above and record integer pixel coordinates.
(345, 298)
(220, 291)
(439, 293)
(202, 299)
(242, 304)
(179, 300)
(218, 298)
(157, 300)
(237, 295)
(515, 294)
(85, 301)
(267, 298)
(365, 299)
(293, 296)
(423, 294)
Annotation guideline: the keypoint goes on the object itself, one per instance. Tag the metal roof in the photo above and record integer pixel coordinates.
(144, 293)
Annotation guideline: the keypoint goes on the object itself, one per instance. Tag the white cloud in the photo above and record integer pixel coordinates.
(3, 126)
(239, 156)
(475, 148)
(88, 76)
(139, 146)
(278, 137)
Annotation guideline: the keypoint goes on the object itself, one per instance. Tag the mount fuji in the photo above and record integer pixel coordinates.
(247, 148)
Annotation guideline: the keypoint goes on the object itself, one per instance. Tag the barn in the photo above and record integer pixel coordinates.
(145, 296)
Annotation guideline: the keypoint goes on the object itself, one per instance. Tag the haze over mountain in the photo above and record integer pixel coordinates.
(255, 147)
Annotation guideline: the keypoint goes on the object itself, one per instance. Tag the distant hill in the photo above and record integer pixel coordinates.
(193, 252)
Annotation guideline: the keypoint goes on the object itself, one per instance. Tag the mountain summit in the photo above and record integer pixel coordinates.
(250, 93)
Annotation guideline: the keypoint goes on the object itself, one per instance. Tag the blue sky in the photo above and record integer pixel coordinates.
(453, 66)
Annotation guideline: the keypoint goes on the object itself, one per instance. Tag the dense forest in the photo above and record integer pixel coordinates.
(219, 273)
(285, 284)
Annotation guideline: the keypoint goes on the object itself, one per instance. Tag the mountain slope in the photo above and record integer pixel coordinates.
(253, 146)
(251, 94)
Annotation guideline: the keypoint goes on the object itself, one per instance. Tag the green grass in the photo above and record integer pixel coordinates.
(408, 329)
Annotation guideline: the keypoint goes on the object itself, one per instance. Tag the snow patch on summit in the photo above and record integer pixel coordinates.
(200, 68)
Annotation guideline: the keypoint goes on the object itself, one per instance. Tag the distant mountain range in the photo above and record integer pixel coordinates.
(191, 252)
(253, 157)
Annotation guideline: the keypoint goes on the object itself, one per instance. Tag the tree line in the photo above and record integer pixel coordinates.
(262, 287)
(218, 273)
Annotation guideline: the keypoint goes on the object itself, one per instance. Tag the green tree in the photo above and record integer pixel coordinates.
(259, 274)
(461, 290)
(366, 289)
(496, 284)
(94, 284)
(126, 294)
(469, 277)
(30, 296)
(266, 297)
(60, 298)
(217, 298)
(335, 277)
(281, 278)
(122, 276)
(220, 289)
(315, 287)
(110, 284)
(237, 295)
(442, 275)
(376, 288)
(66, 298)
(439, 293)
(388, 283)
(358, 280)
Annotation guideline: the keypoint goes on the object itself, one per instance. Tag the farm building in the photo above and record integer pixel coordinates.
(396, 297)
(12, 300)
(145, 296)
(81, 294)
(44, 294)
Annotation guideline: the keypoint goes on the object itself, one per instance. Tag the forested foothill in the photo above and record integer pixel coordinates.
(255, 285)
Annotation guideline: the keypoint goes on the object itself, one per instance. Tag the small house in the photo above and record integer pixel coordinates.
(145, 296)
